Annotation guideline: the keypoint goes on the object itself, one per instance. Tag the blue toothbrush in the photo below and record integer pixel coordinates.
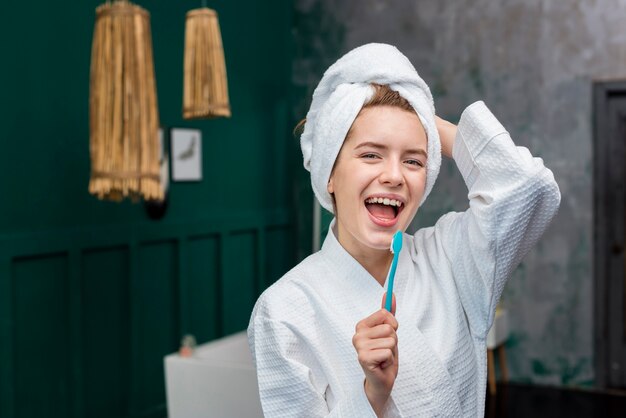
(396, 246)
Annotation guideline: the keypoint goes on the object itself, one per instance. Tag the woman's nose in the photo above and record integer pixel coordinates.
(392, 174)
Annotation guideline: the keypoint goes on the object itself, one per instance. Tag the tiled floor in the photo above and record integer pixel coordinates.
(520, 401)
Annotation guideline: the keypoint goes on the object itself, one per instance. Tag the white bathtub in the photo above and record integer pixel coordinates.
(218, 381)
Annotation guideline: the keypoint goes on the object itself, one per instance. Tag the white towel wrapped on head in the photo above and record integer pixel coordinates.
(338, 99)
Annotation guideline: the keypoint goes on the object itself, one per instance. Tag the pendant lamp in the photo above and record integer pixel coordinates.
(123, 114)
(205, 88)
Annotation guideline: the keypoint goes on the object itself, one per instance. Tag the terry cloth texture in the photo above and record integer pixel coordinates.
(338, 99)
(448, 282)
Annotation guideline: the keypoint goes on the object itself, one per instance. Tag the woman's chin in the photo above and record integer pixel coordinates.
(380, 240)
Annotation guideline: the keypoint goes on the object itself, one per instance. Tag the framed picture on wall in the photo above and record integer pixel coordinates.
(186, 154)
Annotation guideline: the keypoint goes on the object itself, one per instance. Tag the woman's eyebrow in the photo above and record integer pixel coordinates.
(371, 145)
(417, 151)
(378, 145)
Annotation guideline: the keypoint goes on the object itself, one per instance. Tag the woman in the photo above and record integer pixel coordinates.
(322, 343)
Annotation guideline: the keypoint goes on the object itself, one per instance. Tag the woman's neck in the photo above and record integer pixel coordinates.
(377, 264)
(375, 261)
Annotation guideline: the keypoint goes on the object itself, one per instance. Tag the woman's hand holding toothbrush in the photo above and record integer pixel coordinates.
(376, 343)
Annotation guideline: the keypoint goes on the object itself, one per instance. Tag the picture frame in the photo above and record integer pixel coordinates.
(186, 154)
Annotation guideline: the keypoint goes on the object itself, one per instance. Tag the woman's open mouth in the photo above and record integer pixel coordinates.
(384, 211)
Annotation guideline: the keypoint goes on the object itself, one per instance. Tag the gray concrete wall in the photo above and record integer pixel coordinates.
(533, 62)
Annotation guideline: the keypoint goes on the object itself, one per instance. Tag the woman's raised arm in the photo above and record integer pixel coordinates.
(512, 199)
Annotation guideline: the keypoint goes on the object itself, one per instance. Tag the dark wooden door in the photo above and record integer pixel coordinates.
(610, 232)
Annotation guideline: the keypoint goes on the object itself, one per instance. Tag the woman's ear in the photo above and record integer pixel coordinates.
(330, 187)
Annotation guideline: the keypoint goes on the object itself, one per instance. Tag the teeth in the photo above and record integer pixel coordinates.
(384, 201)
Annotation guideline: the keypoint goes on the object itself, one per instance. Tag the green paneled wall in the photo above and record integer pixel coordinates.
(93, 294)
(202, 295)
(41, 310)
(106, 331)
(238, 291)
(157, 318)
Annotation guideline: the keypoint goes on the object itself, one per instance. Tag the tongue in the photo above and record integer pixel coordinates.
(381, 211)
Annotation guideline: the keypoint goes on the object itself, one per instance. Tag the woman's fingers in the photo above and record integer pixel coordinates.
(379, 331)
(380, 343)
(374, 359)
(378, 358)
(381, 336)
(393, 302)
(381, 316)
(381, 325)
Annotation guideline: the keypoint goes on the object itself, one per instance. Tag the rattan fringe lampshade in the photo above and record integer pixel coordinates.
(205, 89)
(123, 113)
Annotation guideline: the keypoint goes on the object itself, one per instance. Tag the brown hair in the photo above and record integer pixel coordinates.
(383, 96)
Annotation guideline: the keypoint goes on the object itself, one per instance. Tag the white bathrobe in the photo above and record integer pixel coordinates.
(448, 282)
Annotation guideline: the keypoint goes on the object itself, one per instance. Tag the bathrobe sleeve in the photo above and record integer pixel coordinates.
(289, 382)
(512, 199)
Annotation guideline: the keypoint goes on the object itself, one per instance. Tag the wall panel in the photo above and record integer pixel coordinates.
(106, 331)
(201, 288)
(157, 309)
(7, 363)
(238, 284)
(41, 336)
(280, 250)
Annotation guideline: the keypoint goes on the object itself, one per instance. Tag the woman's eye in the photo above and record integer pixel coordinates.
(417, 163)
(369, 156)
